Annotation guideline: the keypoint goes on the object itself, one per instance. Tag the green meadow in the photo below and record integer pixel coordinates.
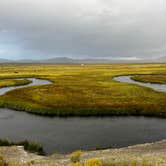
(87, 90)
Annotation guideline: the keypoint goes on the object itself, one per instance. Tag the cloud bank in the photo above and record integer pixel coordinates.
(82, 28)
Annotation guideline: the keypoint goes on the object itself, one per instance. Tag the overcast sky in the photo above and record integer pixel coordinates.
(122, 29)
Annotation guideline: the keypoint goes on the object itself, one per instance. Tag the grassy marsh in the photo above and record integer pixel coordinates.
(159, 79)
(8, 82)
(84, 90)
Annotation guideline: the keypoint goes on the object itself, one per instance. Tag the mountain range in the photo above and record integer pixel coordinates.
(2, 60)
(64, 60)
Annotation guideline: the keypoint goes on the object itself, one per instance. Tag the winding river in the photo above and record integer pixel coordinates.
(34, 81)
(68, 134)
(154, 86)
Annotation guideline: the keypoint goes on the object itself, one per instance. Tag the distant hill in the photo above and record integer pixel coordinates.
(58, 60)
(26, 61)
(162, 59)
(70, 60)
(63, 60)
(5, 60)
(88, 61)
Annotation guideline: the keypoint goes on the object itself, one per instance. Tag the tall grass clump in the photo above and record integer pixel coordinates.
(2, 161)
(29, 146)
(75, 156)
(93, 162)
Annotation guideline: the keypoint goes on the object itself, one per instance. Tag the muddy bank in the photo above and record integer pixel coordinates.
(154, 152)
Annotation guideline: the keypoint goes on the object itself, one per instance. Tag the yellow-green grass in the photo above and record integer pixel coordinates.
(8, 82)
(159, 79)
(98, 162)
(84, 90)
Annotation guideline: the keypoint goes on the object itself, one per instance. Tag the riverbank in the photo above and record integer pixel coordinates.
(12, 82)
(153, 153)
(159, 79)
(84, 131)
(130, 79)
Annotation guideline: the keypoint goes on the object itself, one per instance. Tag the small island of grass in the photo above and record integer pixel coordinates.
(158, 79)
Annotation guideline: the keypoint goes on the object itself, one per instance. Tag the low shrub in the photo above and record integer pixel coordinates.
(32, 146)
(75, 156)
(93, 162)
(29, 146)
(78, 164)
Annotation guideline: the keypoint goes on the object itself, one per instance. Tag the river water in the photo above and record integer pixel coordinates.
(65, 135)
(157, 87)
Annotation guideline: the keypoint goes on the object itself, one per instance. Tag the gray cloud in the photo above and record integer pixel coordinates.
(83, 28)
